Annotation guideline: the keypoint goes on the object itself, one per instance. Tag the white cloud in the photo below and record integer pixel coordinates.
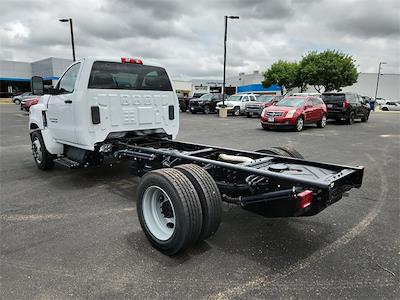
(187, 37)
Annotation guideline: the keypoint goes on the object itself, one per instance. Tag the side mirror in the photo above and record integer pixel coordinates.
(37, 87)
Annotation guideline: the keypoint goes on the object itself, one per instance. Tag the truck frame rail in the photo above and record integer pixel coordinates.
(270, 185)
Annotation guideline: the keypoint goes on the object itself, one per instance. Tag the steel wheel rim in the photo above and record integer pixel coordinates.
(323, 121)
(206, 110)
(37, 150)
(236, 112)
(299, 124)
(158, 213)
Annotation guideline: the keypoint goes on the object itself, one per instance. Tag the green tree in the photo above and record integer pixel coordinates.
(328, 70)
(284, 74)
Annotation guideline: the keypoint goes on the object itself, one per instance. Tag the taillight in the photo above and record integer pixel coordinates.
(345, 103)
(131, 60)
(304, 199)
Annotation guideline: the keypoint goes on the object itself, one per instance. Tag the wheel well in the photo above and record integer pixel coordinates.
(33, 126)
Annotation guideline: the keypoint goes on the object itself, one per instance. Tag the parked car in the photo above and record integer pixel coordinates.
(27, 103)
(236, 104)
(256, 108)
(380, 101)
(206, 103)
(295, 112)
(19, 98)
(346, 106)
(391, 106)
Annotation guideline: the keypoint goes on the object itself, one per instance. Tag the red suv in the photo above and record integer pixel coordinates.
(295, 111)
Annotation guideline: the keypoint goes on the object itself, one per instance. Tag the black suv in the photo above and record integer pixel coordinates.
(205, 103)
(347, 106)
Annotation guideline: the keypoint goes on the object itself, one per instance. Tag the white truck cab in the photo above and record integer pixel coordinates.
(236, 104)
(96, 100)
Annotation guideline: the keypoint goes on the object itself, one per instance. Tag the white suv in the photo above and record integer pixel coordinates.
(236, 104)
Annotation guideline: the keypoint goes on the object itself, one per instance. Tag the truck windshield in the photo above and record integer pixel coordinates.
(126, 76)
(291, 102)
(234, 98)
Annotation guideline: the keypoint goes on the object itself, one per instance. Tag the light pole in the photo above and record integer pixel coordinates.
(226, 28)
(377, 80)
(72, 35)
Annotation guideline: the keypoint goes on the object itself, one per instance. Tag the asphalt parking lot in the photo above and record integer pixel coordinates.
(75, 233)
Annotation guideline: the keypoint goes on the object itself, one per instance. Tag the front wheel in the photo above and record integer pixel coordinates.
(206, 109)
(299, 124)
(248, 115)
(183, 109)
(17, 101)
(385, 109)
(43, 159)
(350, 119)
(322, 123)
(265, 127)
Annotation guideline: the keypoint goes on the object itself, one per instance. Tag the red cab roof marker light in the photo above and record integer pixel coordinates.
(131, 60)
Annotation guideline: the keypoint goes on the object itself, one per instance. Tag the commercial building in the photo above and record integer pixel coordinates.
(15, 79)
(15, 76)
(389, 85)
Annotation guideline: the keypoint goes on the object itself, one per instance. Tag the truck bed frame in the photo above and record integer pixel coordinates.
(270, 185)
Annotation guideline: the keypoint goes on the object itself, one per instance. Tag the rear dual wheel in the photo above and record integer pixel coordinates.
(282, 151)
(178, 207)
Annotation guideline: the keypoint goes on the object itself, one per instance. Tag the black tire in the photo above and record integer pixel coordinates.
(236, 111)
(186, 209)
(17, 101)
(206, 109)
(183, 109)
(209, 195)
(299, 124)
(350, 119)
(288, 151)
(265, 127)
(365, 118)
(282, 151)
(385, 109)
(194, 112)
(322, 123)
(43, 159)
(248, 115)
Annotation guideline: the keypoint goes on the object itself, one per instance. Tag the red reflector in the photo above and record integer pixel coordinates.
(304, 199)
(131, 60)
(345, 104)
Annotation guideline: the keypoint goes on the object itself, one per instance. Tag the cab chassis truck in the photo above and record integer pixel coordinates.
(125, 110)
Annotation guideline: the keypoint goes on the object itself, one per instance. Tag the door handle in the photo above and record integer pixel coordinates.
(68, 101)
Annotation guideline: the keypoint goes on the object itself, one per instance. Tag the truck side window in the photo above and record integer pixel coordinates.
(66, 84)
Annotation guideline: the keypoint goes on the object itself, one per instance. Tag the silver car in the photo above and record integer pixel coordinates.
(391, 106)
(19, 98)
